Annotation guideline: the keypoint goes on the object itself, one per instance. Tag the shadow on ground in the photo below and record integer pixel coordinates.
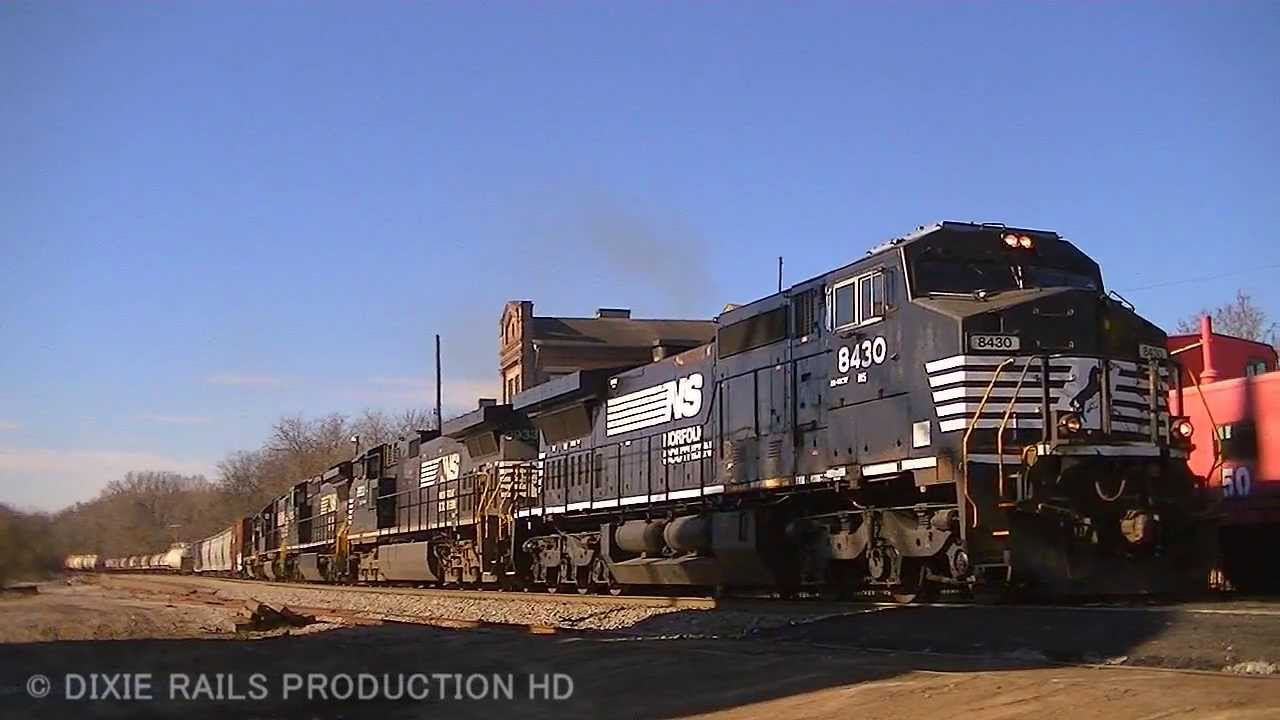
(611, 676)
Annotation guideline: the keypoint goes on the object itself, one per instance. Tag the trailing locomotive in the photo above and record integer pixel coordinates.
(964, 406)
(436, 508)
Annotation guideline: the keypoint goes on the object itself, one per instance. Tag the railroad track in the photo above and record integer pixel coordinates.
(1018, 635)
(1266, 607)
(691, 602)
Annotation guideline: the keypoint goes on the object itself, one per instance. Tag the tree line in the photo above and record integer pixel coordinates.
(1242, 317)
(146, 511)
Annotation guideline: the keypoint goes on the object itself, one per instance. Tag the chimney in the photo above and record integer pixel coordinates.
(1210, 372)
(613, 313)
(660, 350)
(666, 347)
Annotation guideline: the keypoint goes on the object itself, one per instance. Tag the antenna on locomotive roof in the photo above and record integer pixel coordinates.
(779, 273)
(438, 421)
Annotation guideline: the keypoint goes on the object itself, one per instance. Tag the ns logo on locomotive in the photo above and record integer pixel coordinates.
(963, 407)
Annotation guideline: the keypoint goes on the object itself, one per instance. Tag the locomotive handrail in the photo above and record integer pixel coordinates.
(1004, 421)
(964, 444)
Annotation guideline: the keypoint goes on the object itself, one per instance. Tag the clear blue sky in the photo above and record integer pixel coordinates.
(212, 214)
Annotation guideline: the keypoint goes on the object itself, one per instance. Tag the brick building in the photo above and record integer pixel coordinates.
(533, 349)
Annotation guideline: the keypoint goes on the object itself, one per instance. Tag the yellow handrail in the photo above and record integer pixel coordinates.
(964, 446)
(1004, 421)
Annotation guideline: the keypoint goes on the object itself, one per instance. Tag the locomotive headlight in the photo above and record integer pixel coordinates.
(1018, 241)
(1070, 423)
(1182, 428)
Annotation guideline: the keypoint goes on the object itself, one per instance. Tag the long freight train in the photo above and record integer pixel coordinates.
(963, 407)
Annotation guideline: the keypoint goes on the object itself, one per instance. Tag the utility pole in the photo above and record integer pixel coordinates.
(439, 423)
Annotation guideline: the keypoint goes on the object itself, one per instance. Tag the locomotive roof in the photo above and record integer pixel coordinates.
(573, 386)
(732, 313)
(486, 417)
(925, 231)
(621, 332)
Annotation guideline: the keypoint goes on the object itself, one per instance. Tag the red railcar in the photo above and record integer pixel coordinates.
(1231, 394)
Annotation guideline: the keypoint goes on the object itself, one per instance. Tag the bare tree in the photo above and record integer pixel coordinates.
(1242, 317)
(413, 419)
(240, 474)
(27, 549)
(375, 426)
(308, 447)
(146, 510)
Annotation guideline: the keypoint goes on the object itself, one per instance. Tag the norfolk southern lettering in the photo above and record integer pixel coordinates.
(673, 400)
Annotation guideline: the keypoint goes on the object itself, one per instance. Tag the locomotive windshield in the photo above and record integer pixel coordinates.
(965, 267)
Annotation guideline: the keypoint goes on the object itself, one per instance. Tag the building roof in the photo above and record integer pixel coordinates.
(621, 332)
(1183, 339)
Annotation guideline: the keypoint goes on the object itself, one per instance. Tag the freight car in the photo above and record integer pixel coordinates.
(221, 554)
(963, 407)
(176, 559)
(83, 563)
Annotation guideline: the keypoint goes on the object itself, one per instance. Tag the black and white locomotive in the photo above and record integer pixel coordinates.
(962, 407)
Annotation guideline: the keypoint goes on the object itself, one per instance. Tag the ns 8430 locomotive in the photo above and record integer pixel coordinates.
(965, 406)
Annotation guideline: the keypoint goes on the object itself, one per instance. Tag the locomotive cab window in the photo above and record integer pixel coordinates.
(982, 264)
(861, 300)
(845, 304)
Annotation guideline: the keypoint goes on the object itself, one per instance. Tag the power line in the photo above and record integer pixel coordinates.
(1202, 278)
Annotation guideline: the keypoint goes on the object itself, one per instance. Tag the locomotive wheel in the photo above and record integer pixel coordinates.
(553, 580)
(913, 585)
(582, 581)
(988, 594)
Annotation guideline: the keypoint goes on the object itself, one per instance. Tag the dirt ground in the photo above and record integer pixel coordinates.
(160, 641)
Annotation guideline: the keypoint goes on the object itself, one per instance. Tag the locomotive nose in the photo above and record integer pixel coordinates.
(1068, 321)
(1044, 322)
